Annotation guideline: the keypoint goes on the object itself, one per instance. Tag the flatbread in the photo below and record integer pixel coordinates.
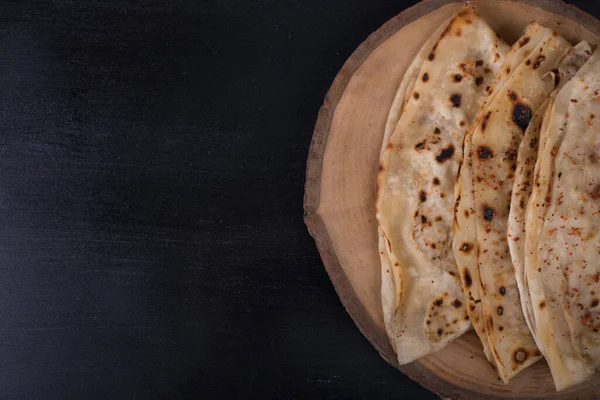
(491, 161)
(464, 243)
(523, 183)
(562, 242)
(392, 286)
(423, 303)
(520, 196)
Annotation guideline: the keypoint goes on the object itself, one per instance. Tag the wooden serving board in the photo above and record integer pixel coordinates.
(342, 166)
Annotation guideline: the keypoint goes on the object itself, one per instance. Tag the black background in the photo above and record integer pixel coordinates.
(152, 161)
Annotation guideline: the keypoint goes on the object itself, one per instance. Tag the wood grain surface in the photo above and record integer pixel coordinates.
(340, 189)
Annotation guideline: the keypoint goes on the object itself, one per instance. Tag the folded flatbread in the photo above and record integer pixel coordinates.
(486, 182)
(523, 183)
(465, 245)
(562, 243)
(423, 304)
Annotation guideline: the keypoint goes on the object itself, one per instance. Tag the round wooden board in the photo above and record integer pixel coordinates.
(342, 166)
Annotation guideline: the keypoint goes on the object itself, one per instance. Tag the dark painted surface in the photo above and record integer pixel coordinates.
(152, 159)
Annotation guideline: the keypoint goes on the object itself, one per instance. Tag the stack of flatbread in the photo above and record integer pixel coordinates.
(488, 200)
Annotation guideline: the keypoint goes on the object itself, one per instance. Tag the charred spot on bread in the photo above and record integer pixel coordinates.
(445, 154)
(520, 355)
(486, 118)
(521, 115)
(455, 99)
(466, 247)
(511, 155)
(488, 212)
(538, 62)
(484, 153)
(467, 278)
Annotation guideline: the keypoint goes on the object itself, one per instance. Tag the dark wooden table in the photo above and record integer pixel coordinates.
(152, 158)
